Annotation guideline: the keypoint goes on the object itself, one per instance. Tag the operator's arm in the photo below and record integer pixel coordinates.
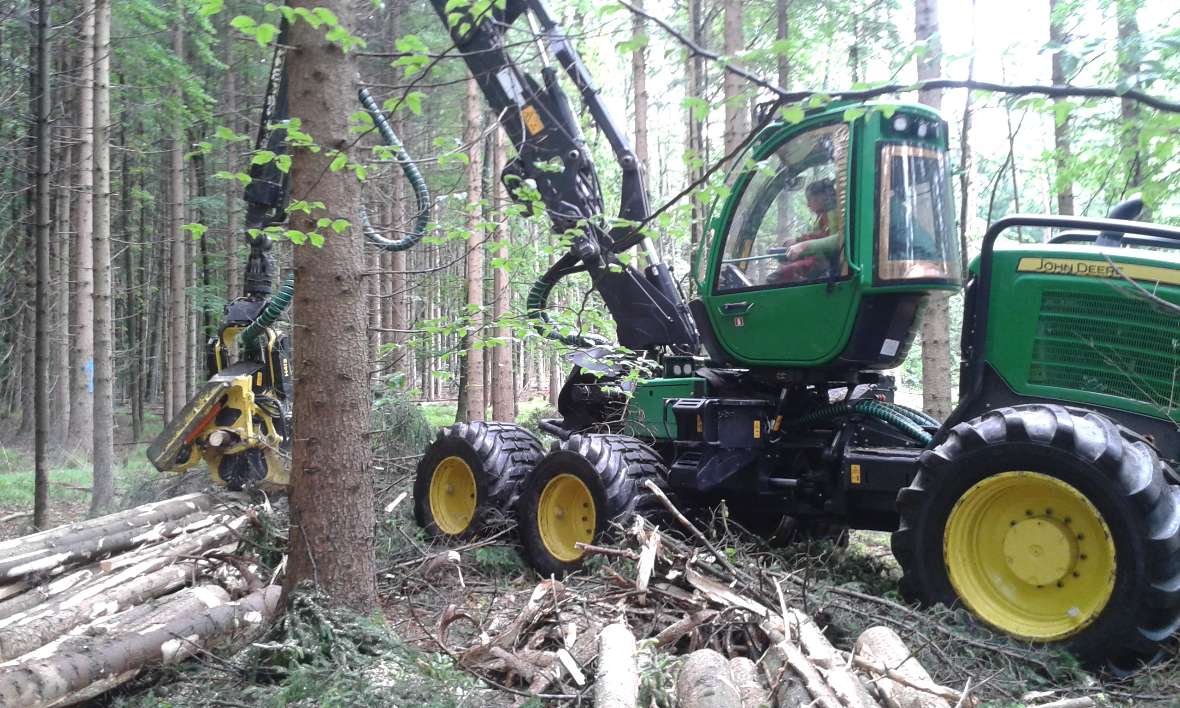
(824, 246)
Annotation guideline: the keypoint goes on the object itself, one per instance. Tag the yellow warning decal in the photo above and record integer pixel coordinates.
(1099, 269)
(854, 473)
(757, 429)
(700, 425)
(532, 120)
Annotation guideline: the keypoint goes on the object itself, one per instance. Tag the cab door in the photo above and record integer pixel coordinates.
(781, 294)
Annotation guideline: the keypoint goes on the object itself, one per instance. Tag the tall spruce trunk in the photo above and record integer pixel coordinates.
(503, 387)
(82, 313)
(737, 121)
(1128, 58)
(936, 324)
(178, 331)
(103, 489)
(473, 380)
(41, 298)
(1063, 182)
(331, 536)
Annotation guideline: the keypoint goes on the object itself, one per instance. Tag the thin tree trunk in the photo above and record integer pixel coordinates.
(695, 134)
(503, 390)
(61, 358)
(1063, 182)
(936, 350)
(1128, 57)
(473, 369)
(736, 116)
(177, 306)
(331, 535)
(103, 490)
(82, 313)
(233, 192)
(41, 345)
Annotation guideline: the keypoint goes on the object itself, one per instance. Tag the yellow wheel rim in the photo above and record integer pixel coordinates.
(1030, 555)
(452, 496)
(565, 517)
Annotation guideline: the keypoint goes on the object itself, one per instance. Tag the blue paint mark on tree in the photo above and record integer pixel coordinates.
(89, 369)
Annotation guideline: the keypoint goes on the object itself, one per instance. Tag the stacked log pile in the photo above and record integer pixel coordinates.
(86, 607)
(739, 642)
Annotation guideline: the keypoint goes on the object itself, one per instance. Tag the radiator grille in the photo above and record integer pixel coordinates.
(1109, 344)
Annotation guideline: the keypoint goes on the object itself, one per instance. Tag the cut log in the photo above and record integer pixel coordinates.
(59, 678)
(705, 681)
(749, 686)
(617, 682)
(150, 615)
(94, 545)
(144, 515)
(823, 655)
(47, 622)
(677, 630)
(48, 590)
(904, 683)
(14, 589)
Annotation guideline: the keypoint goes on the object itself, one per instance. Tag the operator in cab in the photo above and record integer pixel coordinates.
(810, 255)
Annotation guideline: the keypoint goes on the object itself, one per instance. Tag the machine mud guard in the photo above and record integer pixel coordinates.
(174, 450)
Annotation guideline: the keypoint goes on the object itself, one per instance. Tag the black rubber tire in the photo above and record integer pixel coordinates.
(499, 455)
(1119, 474)
(614, 469)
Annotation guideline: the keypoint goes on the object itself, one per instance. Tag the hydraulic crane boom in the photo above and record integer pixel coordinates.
(647, 308)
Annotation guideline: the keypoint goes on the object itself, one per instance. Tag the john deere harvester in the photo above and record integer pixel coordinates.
(1046, 503)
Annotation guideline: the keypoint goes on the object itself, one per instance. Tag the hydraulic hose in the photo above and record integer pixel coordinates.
(413, 175)
(919, 417)
(270, 314)
(537, 304)
(876, 409)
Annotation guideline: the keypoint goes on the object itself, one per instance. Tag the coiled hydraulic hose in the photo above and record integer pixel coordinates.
(413, 175)
(275, 306)
(869, 407)
(537, 303)
(919, 417)
(281, 300)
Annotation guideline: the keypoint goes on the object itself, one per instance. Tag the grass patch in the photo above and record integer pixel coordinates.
(16, 488)
(440, 414)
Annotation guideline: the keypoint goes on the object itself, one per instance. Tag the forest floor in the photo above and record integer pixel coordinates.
(402, 656)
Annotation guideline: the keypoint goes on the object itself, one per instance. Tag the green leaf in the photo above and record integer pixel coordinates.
(262, 157)
(792, 113)
(338, 162)
(244, 24)
(1061, 110)
(196, 230)
(283, 162)
(339, 225)
(414, 102)
(853, 113)
(211, 7)
(316, 238)
(296, 237)
(265, 33)
(327, 16)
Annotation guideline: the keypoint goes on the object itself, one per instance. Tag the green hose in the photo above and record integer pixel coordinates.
(919, 417)
(270, 314)
(876, 409)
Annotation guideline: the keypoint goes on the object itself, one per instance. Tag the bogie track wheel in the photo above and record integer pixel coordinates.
(470, 476)
(1052, 525)
(576, 491)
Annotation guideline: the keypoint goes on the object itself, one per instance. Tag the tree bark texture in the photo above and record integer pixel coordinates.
(473, 361)
(503, 382)
(178, 271)
(41, 298)
(936, 338)
(82, 314)
(103, 484)
(737, 121)
(331, 538)
(1063, 182)
(1128, 57)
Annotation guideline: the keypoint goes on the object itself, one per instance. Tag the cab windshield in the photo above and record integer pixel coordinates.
(916, 237)
(788, 227)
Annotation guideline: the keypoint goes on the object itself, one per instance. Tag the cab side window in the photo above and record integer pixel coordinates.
(788, 227)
